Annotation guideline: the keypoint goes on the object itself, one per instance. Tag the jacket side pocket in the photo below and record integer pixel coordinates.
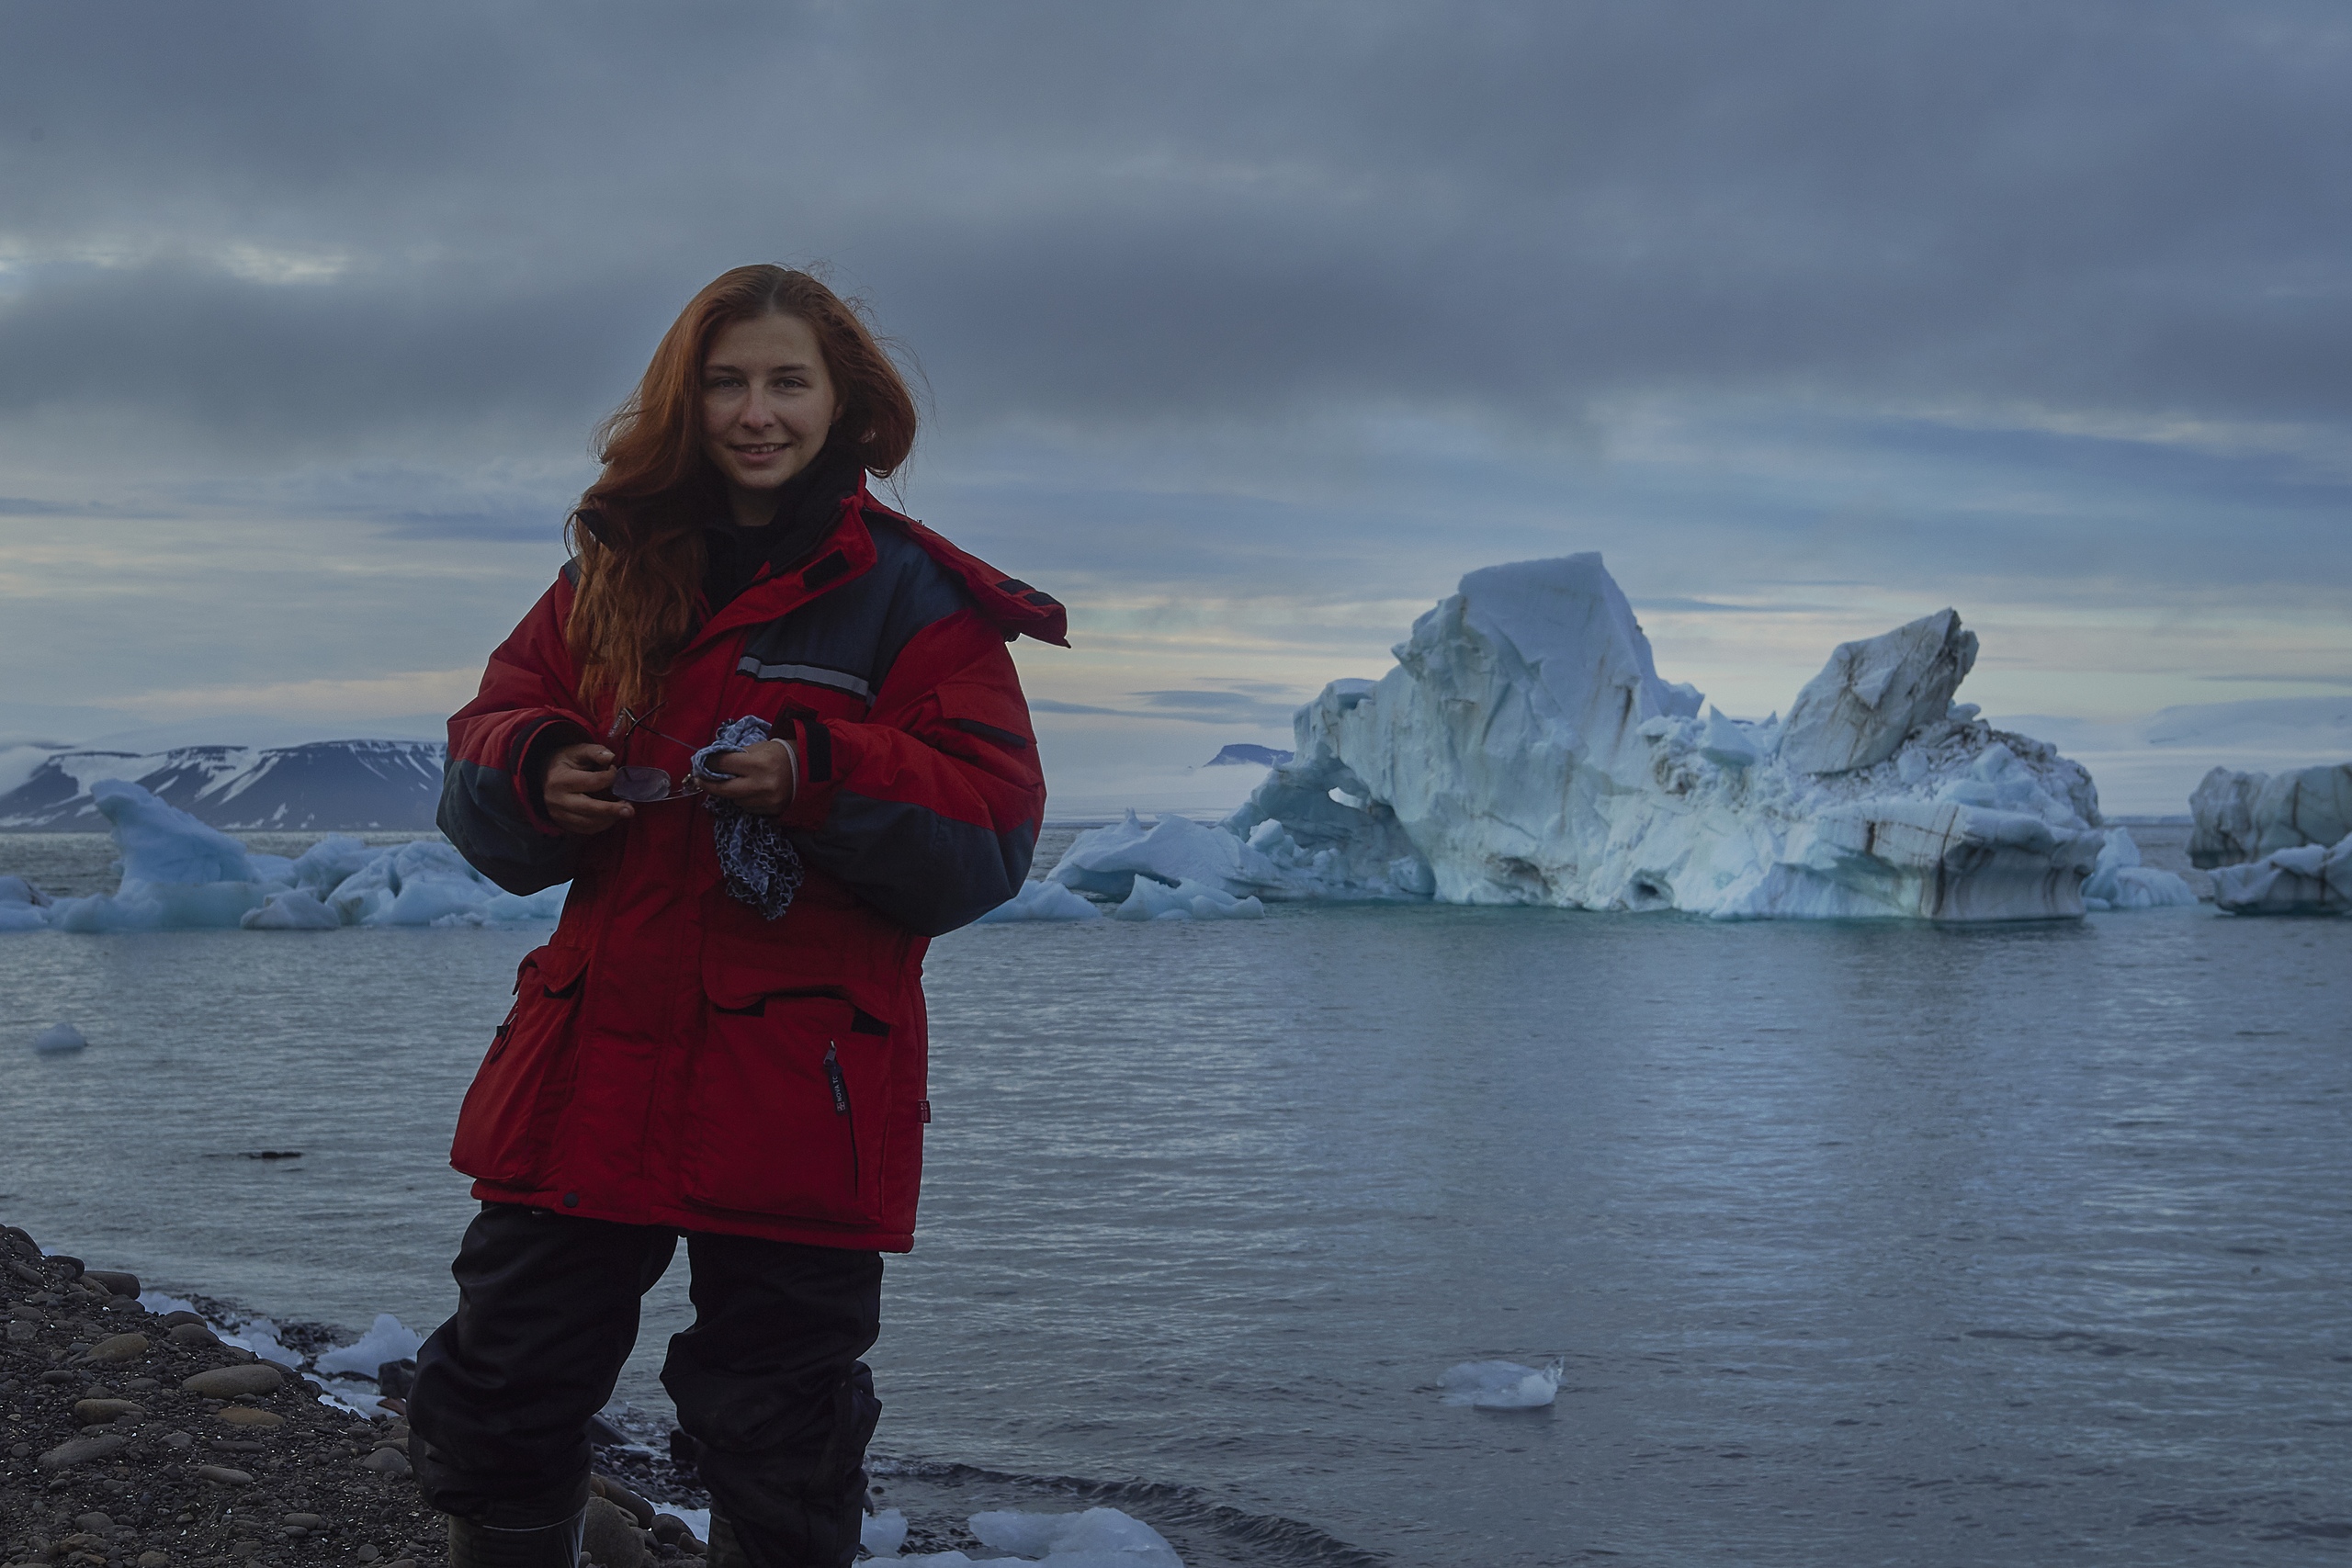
(504, 1125)
(786, 1109)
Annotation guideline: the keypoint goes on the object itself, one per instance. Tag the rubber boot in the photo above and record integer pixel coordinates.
(546, 1546)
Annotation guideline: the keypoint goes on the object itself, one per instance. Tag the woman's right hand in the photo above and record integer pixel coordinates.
(575, 776)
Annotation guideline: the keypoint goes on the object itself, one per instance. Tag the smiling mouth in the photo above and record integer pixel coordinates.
(760, 451)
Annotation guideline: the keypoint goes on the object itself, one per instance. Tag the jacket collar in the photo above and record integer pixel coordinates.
(844, 553)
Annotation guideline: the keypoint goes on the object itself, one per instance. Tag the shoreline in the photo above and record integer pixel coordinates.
(139, 1440)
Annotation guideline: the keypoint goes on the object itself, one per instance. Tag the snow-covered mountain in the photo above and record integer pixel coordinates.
(325, 785)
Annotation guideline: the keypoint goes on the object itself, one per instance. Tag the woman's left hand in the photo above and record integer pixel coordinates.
(760, 778)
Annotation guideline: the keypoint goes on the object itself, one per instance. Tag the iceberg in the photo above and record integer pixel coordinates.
(2310, 879)
(1042, 902)
(58, 1039)
(1525, 749)
(1502, 1385)
(2243, 817)
(178, 872)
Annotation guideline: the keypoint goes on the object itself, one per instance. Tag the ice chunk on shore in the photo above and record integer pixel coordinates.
(1875, 691)
(1042, 902)
(2119, 881)
(58, 1038)
(2243, 817)
(1099, 1537)
(2311, 879)
(1103, 1536)
(883, 1532)
(259, 1334)
(1502, 1385)
(386, 1339)
(1524, 750)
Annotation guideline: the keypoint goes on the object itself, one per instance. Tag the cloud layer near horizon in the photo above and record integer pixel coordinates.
(1247, 328)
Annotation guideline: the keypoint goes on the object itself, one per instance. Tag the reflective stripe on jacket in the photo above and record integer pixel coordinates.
(673, 1059)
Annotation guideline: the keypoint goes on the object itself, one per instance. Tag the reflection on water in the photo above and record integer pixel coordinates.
(1861, 1243)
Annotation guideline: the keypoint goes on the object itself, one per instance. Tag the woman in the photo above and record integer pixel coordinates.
(725, 1038)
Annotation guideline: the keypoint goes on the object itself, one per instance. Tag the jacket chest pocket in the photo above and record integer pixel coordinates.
(504, 1128)
(786, 1108)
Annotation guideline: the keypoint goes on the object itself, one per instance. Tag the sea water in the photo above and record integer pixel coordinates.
(1860, 1242)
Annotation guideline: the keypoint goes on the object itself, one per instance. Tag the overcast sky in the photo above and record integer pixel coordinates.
(1248, 329)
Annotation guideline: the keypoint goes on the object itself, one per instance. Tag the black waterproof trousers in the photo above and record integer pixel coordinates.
(767, 1379)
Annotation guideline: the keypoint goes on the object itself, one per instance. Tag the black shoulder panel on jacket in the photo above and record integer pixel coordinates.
(849, 638)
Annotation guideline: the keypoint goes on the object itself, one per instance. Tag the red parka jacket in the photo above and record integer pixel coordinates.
(673, 1058)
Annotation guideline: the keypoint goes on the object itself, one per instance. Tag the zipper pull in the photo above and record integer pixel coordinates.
(833, 1075)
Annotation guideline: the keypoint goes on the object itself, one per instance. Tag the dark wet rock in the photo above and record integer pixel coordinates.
(612, 1538)
(192, 1334)
(228, 1382)
(115, 1281)
(81, 1451)
(98, 1412)
(120, 1348)
(223, 1476)
(247, 1415)
(385, 1461)
(612, 1491)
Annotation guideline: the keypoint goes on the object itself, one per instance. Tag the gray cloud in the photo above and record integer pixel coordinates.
(1123, 215)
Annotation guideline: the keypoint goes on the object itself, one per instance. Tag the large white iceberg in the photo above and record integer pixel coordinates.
(2243, 817)
(179, 874)
(1525, 750)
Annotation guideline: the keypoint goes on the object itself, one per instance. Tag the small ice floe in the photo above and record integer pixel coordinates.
(1188, 900)
(1042, 902)
(58, 1039)
(1099, 1537)
(1502, 1385)
(386, 1339)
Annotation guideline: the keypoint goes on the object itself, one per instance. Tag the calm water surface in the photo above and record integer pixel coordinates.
(1861, 1243)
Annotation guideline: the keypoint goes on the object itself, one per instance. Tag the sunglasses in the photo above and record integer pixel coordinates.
(635, 782)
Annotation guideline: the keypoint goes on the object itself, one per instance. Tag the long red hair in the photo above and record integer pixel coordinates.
(637, 533)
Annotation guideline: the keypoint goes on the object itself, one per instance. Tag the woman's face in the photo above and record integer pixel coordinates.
(766, 400)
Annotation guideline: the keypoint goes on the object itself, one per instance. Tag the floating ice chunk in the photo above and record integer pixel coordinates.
(163, 843)
(881, 1533)
(23, 907)
(2243, 817)
(1185, 901)
(1875, 691)
(291, 911)
(1043, 901)
(386, 1339)
(2120, 882)
(1106, 862)
(1099, 1537)
(58, 1038)
(1502, 1385)
(2311, 879)
(323, 866)
(508, 908)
